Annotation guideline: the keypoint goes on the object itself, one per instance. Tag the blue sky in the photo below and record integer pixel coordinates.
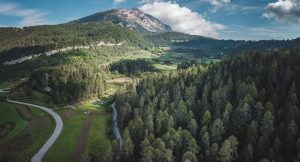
(223, 19)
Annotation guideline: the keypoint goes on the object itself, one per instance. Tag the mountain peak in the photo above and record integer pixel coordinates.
(134, 19)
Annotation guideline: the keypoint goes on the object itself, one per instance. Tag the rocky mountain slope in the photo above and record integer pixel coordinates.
(134, 19)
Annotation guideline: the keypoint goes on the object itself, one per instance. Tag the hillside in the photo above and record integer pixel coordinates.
(244, 108)
(18, 42)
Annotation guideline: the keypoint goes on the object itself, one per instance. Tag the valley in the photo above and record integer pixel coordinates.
(122, 86)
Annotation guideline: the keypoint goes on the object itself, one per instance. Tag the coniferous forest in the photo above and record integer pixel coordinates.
(67, 84)
(245, 108)
(132, 66)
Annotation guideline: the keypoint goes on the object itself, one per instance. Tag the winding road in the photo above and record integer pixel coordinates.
(38, 157)
(5, 90)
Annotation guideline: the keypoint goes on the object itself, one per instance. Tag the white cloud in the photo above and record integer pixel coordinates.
(28, 16)
(182, 19)
(118, 1)
(217, 4)
(284, 10)
(240, 9)
(149, 1)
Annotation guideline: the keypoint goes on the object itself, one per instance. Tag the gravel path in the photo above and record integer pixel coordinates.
(5, 90)
(38, 157)
(115, 126)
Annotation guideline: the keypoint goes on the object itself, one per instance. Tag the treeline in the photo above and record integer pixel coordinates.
(243, 109)
(20, 42)
(186, 64)
(132, 66)
(90, 56)
(207, 47)
(70, 83)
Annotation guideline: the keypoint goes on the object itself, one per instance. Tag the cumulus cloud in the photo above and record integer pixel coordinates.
(284, 10)
(182, 19)
(118, 1)
(217, 3)
(149, 1)
(28, 16)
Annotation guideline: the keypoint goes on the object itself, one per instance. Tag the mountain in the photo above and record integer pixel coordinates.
(134, 19)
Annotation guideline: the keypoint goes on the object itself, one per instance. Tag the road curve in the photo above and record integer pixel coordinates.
(38, 157)
(5, 90)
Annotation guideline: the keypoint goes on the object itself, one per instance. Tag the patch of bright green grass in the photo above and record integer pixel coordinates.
(26, 94)
(97, 135)
(8, 114)
(90, 105)
(38, 136)
(112, 89)
(38, 112)
(4, 85)
(165, 67)
(63, 148)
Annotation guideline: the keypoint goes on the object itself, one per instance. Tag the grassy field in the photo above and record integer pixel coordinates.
(63, 148)
(30, 132)
(165, 67)
(8, 84)
(97, 139)
(26, 94)
(9, 116)
(170, 60)
(98, 132)
(92, 105)
(73, 125)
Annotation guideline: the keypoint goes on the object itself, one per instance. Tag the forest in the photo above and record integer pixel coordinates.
(70, 83)
(20, 42)
(187, 64)
(132, 66)
(90, 56)
(243, 109)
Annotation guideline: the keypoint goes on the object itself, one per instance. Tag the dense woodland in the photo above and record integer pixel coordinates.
(19, 42)
(186, 64)
(70, 83)
(245, 108)
(132, 66)
(91, 56)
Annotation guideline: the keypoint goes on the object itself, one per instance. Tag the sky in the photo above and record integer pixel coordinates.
(222, 19)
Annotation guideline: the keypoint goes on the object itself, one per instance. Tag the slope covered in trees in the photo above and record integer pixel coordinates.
(132, 66)
(20, 42)
(70, 83)
(98, 55)
(244, 108)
